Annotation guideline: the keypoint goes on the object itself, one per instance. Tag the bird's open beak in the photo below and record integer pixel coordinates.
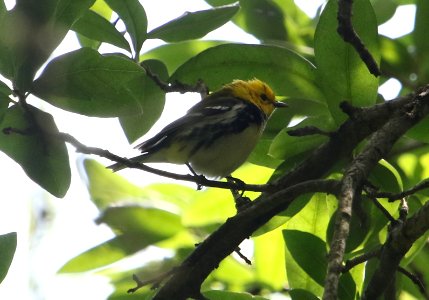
(279, 104)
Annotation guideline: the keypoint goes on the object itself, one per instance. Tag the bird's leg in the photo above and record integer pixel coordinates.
(241, 202)
(200, 177)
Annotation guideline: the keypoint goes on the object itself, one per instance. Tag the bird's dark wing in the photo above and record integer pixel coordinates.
(204, 110)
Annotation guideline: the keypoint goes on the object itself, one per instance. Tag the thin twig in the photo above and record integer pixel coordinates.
(199, 180)
(349, 35)
(155, 281)
(176, 86)
(382, 209)
(351, 263)
(414, 278)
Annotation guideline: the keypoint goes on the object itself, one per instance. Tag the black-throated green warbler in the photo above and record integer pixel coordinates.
(217, 134)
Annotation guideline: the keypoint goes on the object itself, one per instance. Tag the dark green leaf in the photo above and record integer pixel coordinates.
(301, 294)
(134, 219)
(151, 99)
(306, 257)
(386, 177)
(384, 9)
(7, 250)
(173, 55)
(285, 71)
(341, 71)
(85, 82)
(95, 27)
(43, 157)
(420, 131)
(220, 2)
(225, 295)
(133, 15)
(421, 28)
(30, 32)
(193, 25)
(262, 18)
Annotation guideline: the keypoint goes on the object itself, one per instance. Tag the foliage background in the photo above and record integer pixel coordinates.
(202, 215)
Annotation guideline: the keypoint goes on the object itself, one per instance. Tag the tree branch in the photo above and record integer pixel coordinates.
(189, 276)
(400, 239)
(379, 145)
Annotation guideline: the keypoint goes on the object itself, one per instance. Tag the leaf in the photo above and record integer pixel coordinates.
(285, 71)
(109, 252)
(95, 27)
(262, 18)
(420, 131)
(194, 25)
(269, 259)
(285, 145)
(42, 156)
(386, 177)
(340, 70)
(85, 82)
(151, 99)
(30, 32)
(135, 219)
(107, 188)
(306, 261)
(133, 15)
(225, 295)
(173, 55)
(7, 250)
(384, 9)
(301, 294)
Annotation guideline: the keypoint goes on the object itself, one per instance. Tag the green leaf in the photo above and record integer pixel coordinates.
(301, 294)
(341, 72)
(7, 250)
(173, 55)
(108, 188)
(85, 82)
(135, 219)
(306, 261)
(194, 25)
(285, 145)
(396, 59)
(262, 18)
(42, 155)
(151, 99)
(95, 27)
(420, 131)
(285, 71)
(269, 259)
(384, 9)
(30, 32)
(225, 295)
(421, 28)
(386, 177)
(133, 15)
(110, 252)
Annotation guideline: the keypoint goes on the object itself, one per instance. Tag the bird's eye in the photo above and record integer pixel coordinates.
(264, 97)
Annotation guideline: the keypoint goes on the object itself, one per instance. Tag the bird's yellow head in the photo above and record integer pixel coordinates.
(257, 92)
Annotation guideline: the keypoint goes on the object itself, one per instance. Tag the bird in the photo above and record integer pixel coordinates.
(217, 135)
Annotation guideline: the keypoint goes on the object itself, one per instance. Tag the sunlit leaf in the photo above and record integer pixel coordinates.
(225, 295)
(136, 219)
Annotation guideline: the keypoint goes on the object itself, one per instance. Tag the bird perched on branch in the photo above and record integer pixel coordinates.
(217, 135)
